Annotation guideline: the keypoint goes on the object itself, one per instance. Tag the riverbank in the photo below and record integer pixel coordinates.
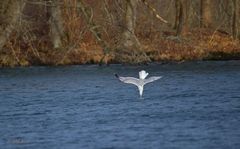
(197, 44)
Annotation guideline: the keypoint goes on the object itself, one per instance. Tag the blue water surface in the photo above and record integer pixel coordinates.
(195, 105)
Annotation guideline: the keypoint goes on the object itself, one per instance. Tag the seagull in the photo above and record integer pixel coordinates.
(139, 82)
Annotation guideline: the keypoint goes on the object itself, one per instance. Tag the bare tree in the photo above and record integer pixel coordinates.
(10, 14)
(206, 14)
(129, 38)
(181, 16)
(129, 44)
(56, 24)
(235, 19)
(177, 14)
(94, 29)
(154, 11)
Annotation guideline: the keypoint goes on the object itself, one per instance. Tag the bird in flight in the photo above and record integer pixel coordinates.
(139, 82)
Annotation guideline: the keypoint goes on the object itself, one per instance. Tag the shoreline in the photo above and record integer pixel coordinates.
(128, 65)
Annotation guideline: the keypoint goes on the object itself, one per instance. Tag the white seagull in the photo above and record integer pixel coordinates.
(139, 82)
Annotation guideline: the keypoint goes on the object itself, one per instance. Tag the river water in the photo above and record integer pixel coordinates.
(194, 105)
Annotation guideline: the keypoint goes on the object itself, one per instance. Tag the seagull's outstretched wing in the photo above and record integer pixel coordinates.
(129, 80)
(151, 79)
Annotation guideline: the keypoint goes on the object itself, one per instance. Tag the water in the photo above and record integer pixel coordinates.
(194, 105)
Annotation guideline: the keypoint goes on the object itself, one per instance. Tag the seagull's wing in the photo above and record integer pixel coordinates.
(129, 80)
(151, 79)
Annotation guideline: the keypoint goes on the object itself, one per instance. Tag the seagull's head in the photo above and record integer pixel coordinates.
(116, 75)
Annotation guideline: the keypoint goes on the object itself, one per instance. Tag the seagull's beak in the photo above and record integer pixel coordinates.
(116, 75)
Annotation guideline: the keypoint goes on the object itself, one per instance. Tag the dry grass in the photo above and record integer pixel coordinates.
(198, 44)
(195, 45)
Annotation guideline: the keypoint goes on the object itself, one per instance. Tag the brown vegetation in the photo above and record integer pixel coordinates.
(131, 31)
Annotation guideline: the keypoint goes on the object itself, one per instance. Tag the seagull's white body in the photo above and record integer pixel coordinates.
(139, 82)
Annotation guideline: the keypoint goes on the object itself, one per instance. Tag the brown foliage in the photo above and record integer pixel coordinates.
(30, 44)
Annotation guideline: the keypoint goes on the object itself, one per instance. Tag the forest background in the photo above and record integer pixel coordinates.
(64, 32)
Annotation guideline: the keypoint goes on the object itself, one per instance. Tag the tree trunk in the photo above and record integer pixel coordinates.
(130, 18)
(56, 24)
(205, 12)
(177, 14)
(235, 19)
(10, 13)
(130, 50)
(182, 25)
